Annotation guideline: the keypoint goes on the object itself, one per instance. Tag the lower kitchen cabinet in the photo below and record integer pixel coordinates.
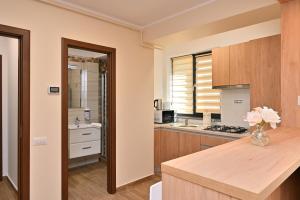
(189, 143)
(157, 159)
(170, 144)
(211, 141)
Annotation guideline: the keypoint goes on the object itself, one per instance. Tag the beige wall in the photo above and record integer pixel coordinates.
(9, 52)
(48, 25)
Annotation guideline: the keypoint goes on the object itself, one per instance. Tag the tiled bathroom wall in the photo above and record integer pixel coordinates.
(76, 112)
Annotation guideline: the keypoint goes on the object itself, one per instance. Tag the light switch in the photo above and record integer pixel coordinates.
(38, 141)
(298, 100)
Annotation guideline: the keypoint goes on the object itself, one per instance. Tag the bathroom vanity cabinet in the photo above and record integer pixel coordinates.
(84, 142)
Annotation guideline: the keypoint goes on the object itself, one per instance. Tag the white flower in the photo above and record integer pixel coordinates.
(270, 116)
(258, 109)
(253, 118)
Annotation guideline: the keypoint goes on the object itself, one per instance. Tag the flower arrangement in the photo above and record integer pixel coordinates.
(260, 117)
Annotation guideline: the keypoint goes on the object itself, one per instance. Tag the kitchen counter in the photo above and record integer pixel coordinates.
(200, 130)
(236, 170)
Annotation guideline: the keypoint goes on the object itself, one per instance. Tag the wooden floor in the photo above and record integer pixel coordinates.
(89, 183)
(6, 191)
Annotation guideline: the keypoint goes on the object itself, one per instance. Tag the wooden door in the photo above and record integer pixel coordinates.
(211, 141)
(220, 66)
(239, 64)
(189, 143)
(265, 72)
(1, 161)
(169, 145)
(290, 68)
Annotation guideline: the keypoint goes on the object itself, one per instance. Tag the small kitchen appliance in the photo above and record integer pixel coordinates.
(163, 116)
(158, 104)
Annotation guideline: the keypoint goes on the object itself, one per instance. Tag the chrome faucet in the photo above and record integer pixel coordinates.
(77, 122)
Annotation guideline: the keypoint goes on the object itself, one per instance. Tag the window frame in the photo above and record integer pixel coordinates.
(215, 116)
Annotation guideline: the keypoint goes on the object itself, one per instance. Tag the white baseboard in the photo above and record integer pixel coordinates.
(13, 184)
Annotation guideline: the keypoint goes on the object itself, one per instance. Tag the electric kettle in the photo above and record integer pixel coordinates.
(158, 104)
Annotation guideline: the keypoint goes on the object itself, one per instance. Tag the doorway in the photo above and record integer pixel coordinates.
(22, 108)
(75, 98)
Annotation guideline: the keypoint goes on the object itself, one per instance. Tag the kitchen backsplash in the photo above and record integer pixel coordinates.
(235, 103)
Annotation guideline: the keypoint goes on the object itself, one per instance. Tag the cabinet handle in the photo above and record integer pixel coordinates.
(86, 134)
(86, 148)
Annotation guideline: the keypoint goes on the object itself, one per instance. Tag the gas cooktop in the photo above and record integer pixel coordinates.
(227, 129)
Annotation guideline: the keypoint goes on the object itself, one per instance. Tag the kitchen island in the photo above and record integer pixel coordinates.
(238, 170)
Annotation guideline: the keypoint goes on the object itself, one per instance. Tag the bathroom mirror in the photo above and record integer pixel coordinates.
(75, 84)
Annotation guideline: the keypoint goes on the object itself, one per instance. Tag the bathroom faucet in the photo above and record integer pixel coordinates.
(77, 122)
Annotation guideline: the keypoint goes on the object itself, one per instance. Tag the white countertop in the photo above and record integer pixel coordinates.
(199, 129)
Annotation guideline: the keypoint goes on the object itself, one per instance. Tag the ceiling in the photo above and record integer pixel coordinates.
(163, 21)
(139, 13)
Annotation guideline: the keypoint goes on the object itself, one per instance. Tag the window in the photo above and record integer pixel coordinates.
(182, 84)
(192, 92)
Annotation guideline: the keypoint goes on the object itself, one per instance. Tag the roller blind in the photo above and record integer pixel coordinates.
(207, 99)
(182, 84)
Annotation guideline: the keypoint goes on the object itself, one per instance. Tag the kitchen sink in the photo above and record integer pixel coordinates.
(185, 126)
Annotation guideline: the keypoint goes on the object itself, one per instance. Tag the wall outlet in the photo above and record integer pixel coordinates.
(298, 100)
(38, 141)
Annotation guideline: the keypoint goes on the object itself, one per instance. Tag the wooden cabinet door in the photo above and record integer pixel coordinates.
(266, 72)
(239, 64)
(157, 151)
(169, 145)
(220, 66)
(189, 143)
(211, 141)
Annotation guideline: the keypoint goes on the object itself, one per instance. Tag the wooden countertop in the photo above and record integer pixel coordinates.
(240, 169)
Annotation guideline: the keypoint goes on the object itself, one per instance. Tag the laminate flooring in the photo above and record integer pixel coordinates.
(7, 192)
(89, 183)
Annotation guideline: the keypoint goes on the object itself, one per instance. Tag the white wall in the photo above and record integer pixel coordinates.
(204, 44)
(48, 24)
(9, 51)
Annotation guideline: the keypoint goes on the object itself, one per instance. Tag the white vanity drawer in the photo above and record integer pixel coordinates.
(84, 149)
(84, 135)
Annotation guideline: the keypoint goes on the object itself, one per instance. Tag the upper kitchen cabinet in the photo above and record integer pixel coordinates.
(231, 65)
(239, 69)
(220, 66)
(265, 62)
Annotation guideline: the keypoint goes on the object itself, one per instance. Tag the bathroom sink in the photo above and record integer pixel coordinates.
(92, 125)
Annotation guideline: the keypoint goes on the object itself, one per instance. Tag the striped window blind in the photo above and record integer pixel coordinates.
(182, 84)
(207, 99)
